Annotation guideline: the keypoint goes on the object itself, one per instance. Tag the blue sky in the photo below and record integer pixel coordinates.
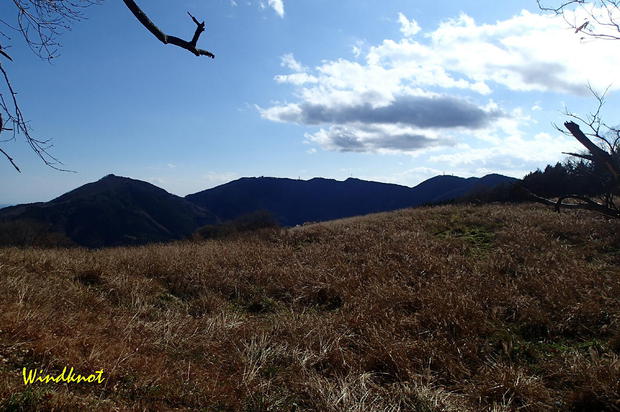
(395, 91)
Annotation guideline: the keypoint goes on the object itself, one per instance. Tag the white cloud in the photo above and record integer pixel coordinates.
(506, 147)
(408, 28)
(300, 77)
(369, 104)
(541, 148)
(423, 112)
(526, 52)
(297, 79)
(376, 138)
(288, 61)
(277, 6)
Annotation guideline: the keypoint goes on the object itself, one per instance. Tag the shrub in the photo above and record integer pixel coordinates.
(30, 233)
(252, 222)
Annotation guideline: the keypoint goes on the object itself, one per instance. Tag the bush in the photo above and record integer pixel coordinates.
(30, 233)
(252, 222)
(504, 193)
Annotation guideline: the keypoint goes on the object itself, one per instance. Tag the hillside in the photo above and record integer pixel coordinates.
(114, 211)
(448, 308)
(294, 202)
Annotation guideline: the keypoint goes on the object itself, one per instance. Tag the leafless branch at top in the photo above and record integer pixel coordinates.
(40, 23)
(602, 21)
(168, 39)
(20, 126)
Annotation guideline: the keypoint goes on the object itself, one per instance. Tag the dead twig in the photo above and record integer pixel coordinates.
(168, 39)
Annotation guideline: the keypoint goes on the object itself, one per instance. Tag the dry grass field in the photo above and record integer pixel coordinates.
(451, 308)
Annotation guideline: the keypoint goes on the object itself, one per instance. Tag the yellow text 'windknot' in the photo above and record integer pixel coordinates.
(32, 376)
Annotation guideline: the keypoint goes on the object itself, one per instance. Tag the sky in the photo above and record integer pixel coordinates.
(394, 91)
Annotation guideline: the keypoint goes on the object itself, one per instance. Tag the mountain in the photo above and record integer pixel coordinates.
(2, 206)
(294, 202)
(442, 188)
(122, 211)
(115, 211)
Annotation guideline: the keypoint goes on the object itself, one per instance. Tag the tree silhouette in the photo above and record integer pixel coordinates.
(599, 18)
(40, 23)
(601, 161)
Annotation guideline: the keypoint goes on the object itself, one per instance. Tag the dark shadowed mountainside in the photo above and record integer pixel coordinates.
(294, 202)
(115, 211)
(121, 211)
(443, 188)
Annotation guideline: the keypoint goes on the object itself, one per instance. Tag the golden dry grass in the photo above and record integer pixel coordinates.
(451, 308)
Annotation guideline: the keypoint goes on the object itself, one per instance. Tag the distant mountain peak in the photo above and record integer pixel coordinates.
(116, 210)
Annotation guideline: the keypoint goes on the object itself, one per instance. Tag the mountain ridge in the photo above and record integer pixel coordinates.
(116, 210)
(295, 201)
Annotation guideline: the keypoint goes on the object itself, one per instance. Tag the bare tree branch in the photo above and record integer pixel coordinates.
(40, 23)
(10, 160)
(20, 126)
(600, 159)
(587, 204)
(597, 153)
(168, 39)
(602, 21)
(5, 54)
(581, 156)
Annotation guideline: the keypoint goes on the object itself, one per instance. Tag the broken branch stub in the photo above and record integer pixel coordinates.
(169, 39)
